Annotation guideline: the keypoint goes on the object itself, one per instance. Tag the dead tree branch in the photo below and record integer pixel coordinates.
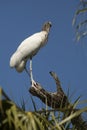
(57, 100)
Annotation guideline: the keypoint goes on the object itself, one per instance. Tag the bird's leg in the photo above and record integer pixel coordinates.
(31, 74)
(27, 71)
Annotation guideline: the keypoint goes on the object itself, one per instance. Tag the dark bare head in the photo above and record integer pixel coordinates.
(47, 26)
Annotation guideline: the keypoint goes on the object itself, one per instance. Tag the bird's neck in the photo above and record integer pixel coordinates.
(46, 30)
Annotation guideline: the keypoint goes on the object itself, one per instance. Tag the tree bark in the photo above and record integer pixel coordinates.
(57, 100)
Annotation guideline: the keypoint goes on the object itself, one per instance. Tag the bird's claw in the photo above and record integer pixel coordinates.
(33, 83)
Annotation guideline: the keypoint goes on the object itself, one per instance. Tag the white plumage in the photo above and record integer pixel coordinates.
(29, 47)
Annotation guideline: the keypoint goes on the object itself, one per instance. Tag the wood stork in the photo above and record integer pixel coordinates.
(29, 48)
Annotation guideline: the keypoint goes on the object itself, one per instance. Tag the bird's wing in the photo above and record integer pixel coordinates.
(31, 45)
(15, 59)
(28, 48)
(20, 67)
(33, 39)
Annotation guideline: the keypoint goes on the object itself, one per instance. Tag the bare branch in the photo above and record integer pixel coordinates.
(58, 100)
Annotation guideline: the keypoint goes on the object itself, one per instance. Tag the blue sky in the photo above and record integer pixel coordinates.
(20, 19)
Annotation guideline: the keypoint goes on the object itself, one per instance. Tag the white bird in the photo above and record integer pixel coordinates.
(28, 48)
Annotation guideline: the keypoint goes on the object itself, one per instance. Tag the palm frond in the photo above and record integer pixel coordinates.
(80, 20)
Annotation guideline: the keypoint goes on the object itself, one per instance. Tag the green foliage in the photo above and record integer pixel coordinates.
(80, 20)
(14, 118)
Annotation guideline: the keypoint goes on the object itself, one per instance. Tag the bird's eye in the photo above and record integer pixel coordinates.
(50, 25)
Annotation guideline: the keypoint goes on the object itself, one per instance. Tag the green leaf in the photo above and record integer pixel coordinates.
(83, 23)
(75, 114)
(81, 11)
(34, 104)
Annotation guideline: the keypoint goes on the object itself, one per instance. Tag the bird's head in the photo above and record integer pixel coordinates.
(47, 26)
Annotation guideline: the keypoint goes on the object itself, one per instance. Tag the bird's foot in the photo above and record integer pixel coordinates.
(33, 83)
(35, 86)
